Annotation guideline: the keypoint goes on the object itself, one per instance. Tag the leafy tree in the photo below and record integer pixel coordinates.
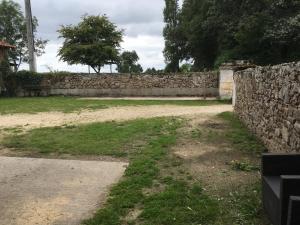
(128, 63)
(264, 31)
(172, 34)
(151, 71)
(4, 72)
(13, 30)
(154, 71)
(185, 68)
(95, 42)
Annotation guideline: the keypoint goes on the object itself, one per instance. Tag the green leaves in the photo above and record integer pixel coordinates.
(128, 63)
(172, 34)
(13, 31)
(215, 31)
(95, 42)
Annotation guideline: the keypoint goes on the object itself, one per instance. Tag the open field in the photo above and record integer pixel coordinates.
(197, 165)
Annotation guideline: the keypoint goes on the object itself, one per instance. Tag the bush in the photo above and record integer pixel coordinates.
(26, 79)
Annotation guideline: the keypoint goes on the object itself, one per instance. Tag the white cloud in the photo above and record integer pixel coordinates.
(141, 19)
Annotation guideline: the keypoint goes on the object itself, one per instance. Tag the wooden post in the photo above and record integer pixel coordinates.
(30, 37)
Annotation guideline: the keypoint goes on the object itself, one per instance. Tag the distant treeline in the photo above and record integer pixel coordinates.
(210, 32)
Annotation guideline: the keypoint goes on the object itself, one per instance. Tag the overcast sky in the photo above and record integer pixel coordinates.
(142, 21)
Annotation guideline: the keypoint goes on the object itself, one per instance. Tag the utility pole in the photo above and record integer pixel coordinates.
(30, 37)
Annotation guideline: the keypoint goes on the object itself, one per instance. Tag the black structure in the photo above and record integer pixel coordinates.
(281, 188)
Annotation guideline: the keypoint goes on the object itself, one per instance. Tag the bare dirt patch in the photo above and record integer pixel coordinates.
(50, 119)
(210, 162)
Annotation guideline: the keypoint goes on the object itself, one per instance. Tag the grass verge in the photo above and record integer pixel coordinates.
(69, 104)
(240, 137)
(241, 204)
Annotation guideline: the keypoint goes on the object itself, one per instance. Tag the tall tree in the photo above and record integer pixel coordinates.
(172, 35)
(129, 63)
(13, 31)
(264, 31)
(95, 42)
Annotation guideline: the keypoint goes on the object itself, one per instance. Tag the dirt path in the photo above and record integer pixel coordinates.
(29, 121)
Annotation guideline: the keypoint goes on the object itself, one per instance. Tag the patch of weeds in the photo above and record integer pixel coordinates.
(14, 130)
(241, 205)
(239, 136)
(215, 125)
(197, 133)
(244, 206)
(179, 204)
(243, 166)
(176, 162)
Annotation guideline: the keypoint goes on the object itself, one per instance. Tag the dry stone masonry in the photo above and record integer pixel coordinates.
(192, 84)
(268, 101)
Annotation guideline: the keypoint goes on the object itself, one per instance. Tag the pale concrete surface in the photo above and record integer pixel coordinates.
(150, 98)
(53, 192)
(226, 83)
(139, 92)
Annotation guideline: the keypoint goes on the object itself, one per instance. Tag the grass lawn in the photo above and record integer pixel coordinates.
(156, 189)
(69, 104)
(111, 139)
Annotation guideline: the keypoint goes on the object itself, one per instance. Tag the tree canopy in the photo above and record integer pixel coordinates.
(172, 34)
(95, 42)
(13, 31)
(215, 31)
(128, 63)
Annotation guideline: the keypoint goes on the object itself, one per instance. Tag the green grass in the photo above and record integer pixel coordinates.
(239, 136)
(243, 166)
(171, 200)
(156, 182)
(69, 104)
(179, 202)
(234, 132)
(241, 205)
(246, 205)
(110, 138)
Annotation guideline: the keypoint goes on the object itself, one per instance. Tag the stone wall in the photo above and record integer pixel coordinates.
(268, 101)
(193, 84)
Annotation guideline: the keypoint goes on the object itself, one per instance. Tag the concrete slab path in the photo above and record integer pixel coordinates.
(53, 192)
